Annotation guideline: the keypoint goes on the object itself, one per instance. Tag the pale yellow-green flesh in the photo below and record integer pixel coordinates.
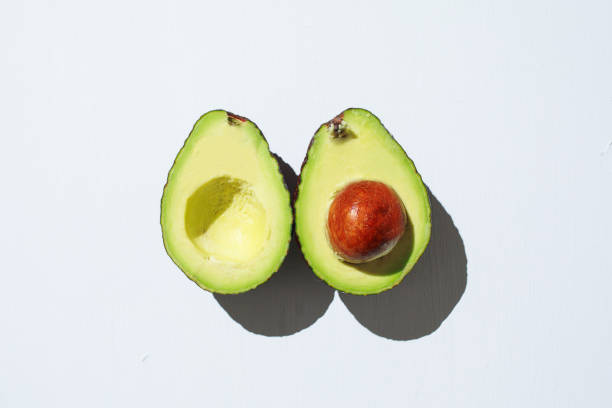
(226, 217)
(367, 153)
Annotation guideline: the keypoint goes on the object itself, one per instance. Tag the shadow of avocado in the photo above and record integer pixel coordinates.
(291, 300)
(427, 295)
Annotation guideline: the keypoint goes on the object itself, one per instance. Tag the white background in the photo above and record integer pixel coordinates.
(505, 107)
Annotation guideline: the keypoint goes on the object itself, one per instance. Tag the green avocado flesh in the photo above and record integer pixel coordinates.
(225, 212)
(355, 146)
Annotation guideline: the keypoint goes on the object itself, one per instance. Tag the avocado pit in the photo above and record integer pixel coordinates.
(365, 221)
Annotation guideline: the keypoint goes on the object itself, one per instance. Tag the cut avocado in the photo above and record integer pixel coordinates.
(225, 212)
(352, 147)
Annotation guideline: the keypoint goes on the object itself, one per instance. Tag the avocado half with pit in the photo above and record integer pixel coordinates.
(225, 212)
(362, 212)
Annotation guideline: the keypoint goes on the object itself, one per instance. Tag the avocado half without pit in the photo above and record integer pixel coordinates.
(225, 213)
(362, 212)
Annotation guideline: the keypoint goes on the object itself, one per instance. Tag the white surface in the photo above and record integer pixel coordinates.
(506, 110)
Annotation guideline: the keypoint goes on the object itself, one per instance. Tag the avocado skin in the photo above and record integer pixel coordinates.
(334, 122)
(231, 116)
